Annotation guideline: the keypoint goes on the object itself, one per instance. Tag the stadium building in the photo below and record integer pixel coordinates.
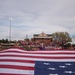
(42, 37)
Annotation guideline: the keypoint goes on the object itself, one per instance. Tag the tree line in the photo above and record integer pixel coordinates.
(5, 41)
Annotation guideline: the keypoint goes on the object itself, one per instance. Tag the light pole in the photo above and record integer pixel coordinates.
(10, 19)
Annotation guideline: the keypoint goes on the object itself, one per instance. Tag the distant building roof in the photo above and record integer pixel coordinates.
(42, 35)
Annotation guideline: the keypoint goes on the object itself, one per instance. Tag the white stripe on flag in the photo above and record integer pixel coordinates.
(16, 71)
(46, 55)
(17, 64)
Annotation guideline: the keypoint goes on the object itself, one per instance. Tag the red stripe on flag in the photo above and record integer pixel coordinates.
(17, 67)
(11, 74)
(11, 60)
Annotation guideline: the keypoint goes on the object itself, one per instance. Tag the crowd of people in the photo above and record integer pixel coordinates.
(30, 45)
(42, 45)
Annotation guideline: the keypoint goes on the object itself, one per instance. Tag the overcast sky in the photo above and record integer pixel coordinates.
(36, 16)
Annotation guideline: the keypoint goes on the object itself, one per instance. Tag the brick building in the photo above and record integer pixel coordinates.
(42, 37)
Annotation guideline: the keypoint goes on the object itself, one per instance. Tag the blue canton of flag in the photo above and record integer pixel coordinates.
(54, 68)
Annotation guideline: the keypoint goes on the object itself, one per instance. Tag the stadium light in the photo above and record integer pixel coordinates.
(10, 19)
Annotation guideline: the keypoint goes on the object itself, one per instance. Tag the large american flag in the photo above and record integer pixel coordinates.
(19, 62)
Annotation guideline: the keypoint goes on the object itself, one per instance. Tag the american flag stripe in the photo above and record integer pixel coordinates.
(39, 52)
(29, 54)
(12, 60)
(16, 71)
(20, 62)
(38, 59)
(12, 74)
(17, 64)
(17, 67)
(39, 56)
